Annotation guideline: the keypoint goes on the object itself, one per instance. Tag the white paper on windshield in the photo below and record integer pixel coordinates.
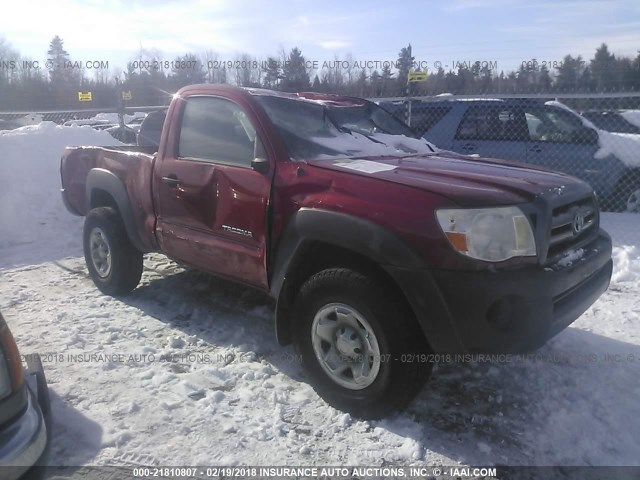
(366, 166)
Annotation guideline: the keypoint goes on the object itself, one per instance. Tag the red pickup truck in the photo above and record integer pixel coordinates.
(382, 251)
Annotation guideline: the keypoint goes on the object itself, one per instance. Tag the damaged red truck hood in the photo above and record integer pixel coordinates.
(465, 180)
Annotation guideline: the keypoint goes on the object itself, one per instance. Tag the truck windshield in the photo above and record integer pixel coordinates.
(312, 130)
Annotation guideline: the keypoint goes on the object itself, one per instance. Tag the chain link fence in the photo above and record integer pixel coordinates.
(593, 137)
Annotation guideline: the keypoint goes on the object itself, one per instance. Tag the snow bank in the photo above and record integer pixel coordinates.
(34, 223)
(113, 117)
(627, 266)
(624, 229)
(30, 119)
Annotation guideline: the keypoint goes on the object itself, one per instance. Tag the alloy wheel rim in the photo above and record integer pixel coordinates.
(100, 252)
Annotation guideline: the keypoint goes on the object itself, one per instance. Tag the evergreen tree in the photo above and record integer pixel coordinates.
(187, 71)
(375, 81)
(405, 63)
(294, 73)
(247, 72)
(544, 79)
(58, 63)
(523, 79)
(603, 68)
(635, 68)
(8, 55)
(272, 73)
(625, 74)
(568, 73)
(386, 79)
(361, 82)
(586, 83)
(465, 80)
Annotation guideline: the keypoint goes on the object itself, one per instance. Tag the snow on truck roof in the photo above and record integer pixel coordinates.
(323, 98)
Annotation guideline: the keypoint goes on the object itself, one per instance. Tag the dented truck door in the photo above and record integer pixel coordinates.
(212, 190)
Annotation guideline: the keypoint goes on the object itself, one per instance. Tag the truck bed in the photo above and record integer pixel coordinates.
(131, 165)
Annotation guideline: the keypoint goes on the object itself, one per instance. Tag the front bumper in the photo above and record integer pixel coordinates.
(506, 311)
(24, 442)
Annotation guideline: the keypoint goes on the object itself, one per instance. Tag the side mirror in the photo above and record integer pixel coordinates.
(260, 165)
(260, 162)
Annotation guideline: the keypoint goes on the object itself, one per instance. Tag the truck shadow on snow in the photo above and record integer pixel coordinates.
(573, 402)
(75, 440)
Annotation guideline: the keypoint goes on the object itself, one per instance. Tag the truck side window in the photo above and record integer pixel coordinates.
(216, 130)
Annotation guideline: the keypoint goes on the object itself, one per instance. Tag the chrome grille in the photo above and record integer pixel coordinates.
(572, 223)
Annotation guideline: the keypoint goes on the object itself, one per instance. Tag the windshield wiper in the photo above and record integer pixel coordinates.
(372, 139)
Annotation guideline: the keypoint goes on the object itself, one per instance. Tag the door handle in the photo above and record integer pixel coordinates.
(171, 180)
(468, 147)
(536, 148)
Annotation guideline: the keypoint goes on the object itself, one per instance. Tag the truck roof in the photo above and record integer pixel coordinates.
(324, 98)
(314, 97)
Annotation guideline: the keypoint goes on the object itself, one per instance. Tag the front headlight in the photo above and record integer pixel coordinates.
(490, 234)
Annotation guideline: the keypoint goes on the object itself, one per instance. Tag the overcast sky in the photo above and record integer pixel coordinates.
(501, 31)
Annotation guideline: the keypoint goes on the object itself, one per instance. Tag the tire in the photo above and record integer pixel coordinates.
(348, 307)
(114, 264)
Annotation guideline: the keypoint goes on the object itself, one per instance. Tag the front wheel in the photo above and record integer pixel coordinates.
(113, 262)
(358, 343)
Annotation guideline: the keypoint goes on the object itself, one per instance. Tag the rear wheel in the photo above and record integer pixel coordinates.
(113, 262)
(358, 342)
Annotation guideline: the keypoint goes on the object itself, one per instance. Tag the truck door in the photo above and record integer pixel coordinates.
(211, 202)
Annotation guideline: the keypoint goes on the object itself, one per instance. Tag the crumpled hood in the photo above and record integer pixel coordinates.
(468, 181)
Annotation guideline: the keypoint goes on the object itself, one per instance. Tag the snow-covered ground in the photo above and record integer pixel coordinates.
(186, 369)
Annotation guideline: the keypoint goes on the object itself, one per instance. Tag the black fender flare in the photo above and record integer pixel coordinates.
(361, 236)
(101, 179)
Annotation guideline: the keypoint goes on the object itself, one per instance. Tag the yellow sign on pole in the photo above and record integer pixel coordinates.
(417, 76)
(84, 97)
(127, 95)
